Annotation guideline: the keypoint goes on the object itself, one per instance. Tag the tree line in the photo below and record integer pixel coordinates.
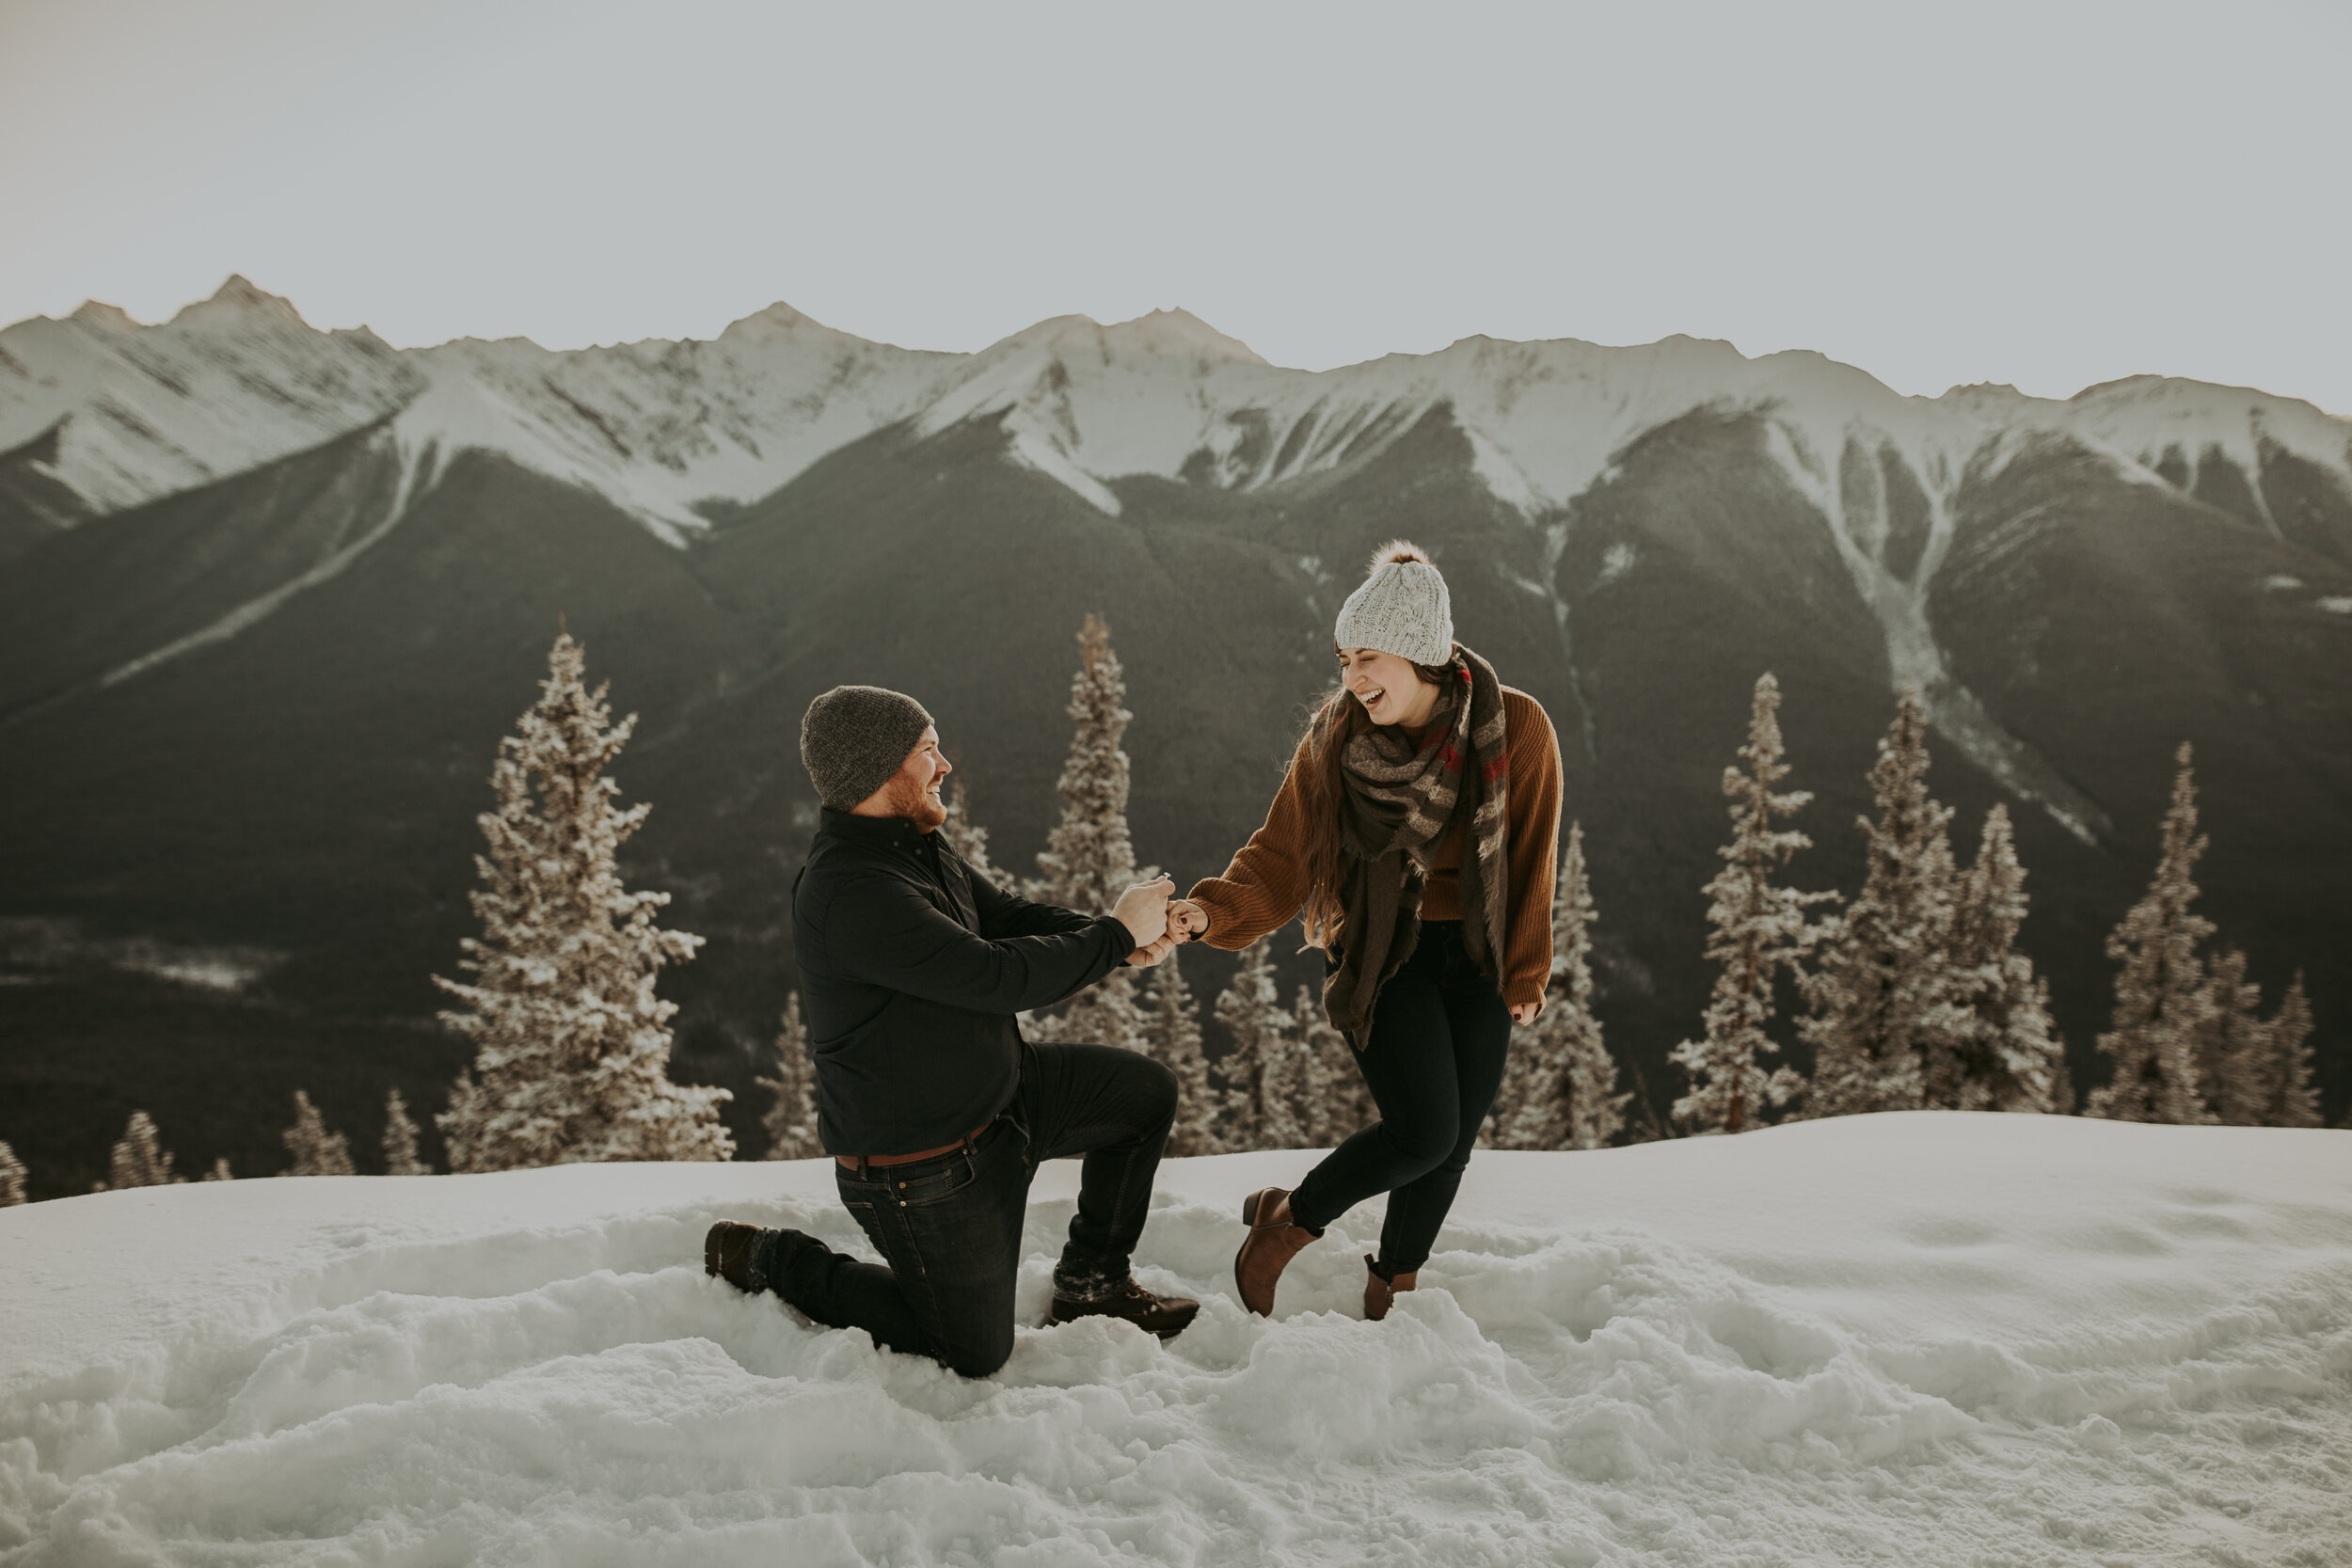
(1913, 992)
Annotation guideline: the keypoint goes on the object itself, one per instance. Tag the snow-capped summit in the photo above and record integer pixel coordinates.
(1179, 332)
(237, 298)
(99, 316)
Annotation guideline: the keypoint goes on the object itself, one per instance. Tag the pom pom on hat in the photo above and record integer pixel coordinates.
(1401, 609)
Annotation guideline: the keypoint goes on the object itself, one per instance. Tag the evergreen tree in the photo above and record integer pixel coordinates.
(400, 1139)
(1560, 1088)
(316, 1151)
(2164, 1001)
(2235, 1039)
(1173, 1036)
(2264, 1071)
(1994, 1045)
(571, 1044)
(1877, 989)
(1758, 930)
(220, 1171)
(12, 1177)
(1336, 1100)
(967, 838)
(791, 1119)
(139, 1158)
(1088, 860)
(1265, 1072)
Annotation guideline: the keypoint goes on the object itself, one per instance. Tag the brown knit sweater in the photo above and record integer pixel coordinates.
(1266, 885)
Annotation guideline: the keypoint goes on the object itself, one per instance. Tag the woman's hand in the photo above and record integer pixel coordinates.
(1186, 919)
(1524, 1012)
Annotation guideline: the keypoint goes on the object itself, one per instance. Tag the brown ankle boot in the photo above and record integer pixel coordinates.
(1274, 1238)
(1379, 1293)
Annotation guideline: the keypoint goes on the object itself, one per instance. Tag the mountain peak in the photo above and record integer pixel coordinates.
(97, 312)
(1176, 331)
(239, 297)
(778, 315)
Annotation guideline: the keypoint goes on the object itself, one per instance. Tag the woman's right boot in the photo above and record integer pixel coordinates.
(1381, 1289)
(1273, 1240)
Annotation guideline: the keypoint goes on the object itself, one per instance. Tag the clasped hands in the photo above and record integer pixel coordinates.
(1156, 921)
(1160, 922)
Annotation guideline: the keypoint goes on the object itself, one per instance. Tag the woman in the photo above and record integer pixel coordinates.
(1418, 828)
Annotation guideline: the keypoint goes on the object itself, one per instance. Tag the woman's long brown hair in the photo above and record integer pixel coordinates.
(1336, 720)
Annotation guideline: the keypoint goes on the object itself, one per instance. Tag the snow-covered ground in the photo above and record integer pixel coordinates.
(1923, 1339)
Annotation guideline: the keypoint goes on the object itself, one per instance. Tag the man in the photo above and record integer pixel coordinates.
(934, 1108)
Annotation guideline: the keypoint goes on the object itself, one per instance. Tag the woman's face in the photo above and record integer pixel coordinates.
(1391, 689)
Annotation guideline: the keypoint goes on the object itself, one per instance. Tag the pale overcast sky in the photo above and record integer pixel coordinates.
(2048, 192)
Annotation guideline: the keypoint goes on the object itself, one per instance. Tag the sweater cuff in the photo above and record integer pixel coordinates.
(1519, 992)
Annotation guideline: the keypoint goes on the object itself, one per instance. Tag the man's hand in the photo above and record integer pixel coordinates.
(1524, 1012)
(1143, 910)
(1145, 957)
(1186, 919)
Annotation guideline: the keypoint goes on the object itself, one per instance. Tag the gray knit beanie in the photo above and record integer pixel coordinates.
(855, 737)
(1401, 609)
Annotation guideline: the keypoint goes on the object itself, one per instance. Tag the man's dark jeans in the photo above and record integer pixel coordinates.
(949, 1228)
(1433, 1062)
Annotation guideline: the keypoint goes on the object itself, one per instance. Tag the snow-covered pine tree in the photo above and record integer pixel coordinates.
(1993, 1046)
(965, 837)
(1088, 860)
(571, 1045)
(316, 1151)
(1265, 1071)
(1336, 1104)
(2264, 1074)
(1560, 1087)
(2234, 1035)
(1757, 930)
(400, 1139)
(1876, 988)
(2164, 1005)
(1172, 1022)
(220, 1171)
(12, 1177)
(139, 1158)
(791, 1116)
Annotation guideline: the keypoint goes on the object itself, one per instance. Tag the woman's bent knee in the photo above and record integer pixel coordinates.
(1417, 1149)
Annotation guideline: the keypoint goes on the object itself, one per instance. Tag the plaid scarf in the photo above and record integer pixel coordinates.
(1400, 801)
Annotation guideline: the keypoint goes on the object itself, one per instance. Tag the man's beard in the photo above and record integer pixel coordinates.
(916, 804)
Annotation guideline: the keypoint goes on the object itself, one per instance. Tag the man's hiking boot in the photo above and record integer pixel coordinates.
(1274, 1238)
(1165, 1316)
(1379, 1291)
(731, 1250)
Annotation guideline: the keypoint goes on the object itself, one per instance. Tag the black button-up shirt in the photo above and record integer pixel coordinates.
(912, 968)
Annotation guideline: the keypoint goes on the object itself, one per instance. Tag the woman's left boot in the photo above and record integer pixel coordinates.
(1274, 1238)
(1379, 1291)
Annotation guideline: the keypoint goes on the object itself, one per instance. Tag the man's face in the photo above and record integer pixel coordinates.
(913, 792)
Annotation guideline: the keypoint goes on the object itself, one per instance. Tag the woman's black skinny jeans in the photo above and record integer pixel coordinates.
(1433, 1061)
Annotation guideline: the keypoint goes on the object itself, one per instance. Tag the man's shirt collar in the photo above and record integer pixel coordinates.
(888, 832)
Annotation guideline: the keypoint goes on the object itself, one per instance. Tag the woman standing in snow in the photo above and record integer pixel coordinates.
(1418, 830)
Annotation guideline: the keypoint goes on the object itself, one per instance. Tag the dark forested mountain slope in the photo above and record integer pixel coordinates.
(256, 711)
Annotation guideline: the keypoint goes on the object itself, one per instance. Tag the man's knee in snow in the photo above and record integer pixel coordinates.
(981, 1354)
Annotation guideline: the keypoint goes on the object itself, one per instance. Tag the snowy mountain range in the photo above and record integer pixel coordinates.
(111, 415)
(262, 584)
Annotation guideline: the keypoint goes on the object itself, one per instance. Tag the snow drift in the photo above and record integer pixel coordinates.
(1926, 1338)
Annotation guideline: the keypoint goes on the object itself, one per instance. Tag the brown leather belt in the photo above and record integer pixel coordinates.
(852, 1162)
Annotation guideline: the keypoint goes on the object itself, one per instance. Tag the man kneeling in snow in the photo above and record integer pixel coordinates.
(934, 1107)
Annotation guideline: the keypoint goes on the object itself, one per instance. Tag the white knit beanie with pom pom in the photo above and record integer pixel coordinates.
(1401, 609)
